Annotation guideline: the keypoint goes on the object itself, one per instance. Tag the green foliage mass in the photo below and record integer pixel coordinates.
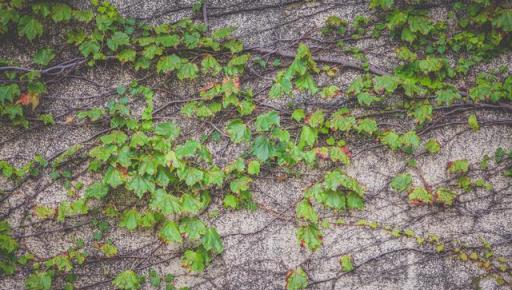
(154, 178)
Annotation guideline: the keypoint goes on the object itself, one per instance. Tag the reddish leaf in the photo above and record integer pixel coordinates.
(29, 99)
(24, 99)
(346, 150)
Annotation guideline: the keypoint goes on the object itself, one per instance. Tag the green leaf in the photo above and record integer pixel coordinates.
(385, 83)
(148, 165)
(410, 140)
(306, 82)
(112, 177)
(384, 4)
(230, 201)
(96, 190)
(195, 260)
(404, 53)
(407, 35)
(192, 228)
(366, 99)
(237, 165)
(187, 71)
(432, 146)
(61, 12)
(298, 115)
(109, 250)
(165, 202)
(167, 129)
(127, 280)
(170, 233)
(334, 199)
(60, 262)
(129, 219)
(346, 263)
(116, 137)
(396, 19)
(154, 279)
(282, 135)
(421, 195)
(310, 236)
(339, 154)
(420, 24)
(246, 107)
(329, 92)
(430, 64)
(172, 40)
(297, 280)
(305, 211)
(44, 56)
(223, 32)
(503, 20)
(281, 86)
(391, 139)
(210, 64)
(140, 185)
(90, 47)
(316, 119)
(47, 119)
(238, 131)
(401, 183)
(458, 166)
(423, 113)
(265, 121)
(29, 27)
(473, 122)
(447, 97)
(39, 281)
(500, 155)
(445, 196)
(83, 15)
(333, 179)
(148, 220)
(240, 184)
(117, 40)
(357, 86)
(126, 55)
(151, 51)
(308, 136)
(9, 93)
(40, 8)
(368, 126)
(215, 176)
(93, 114)
(354, 201)
(212, 241)
(77, 207)
(339, 121)
(234, 45)
(254, 167)
(169, 63)
(193, 175)
(262, 148)
(43, 213)
(190, 203)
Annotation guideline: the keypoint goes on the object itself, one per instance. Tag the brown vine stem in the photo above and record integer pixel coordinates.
(325, 59)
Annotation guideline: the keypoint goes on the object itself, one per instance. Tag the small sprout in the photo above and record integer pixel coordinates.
(346, 263)
(395, 233)
(409, 233)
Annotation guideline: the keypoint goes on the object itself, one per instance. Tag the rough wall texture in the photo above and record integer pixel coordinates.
(260, 246)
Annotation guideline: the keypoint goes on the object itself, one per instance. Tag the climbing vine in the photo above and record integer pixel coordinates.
(147, 174)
